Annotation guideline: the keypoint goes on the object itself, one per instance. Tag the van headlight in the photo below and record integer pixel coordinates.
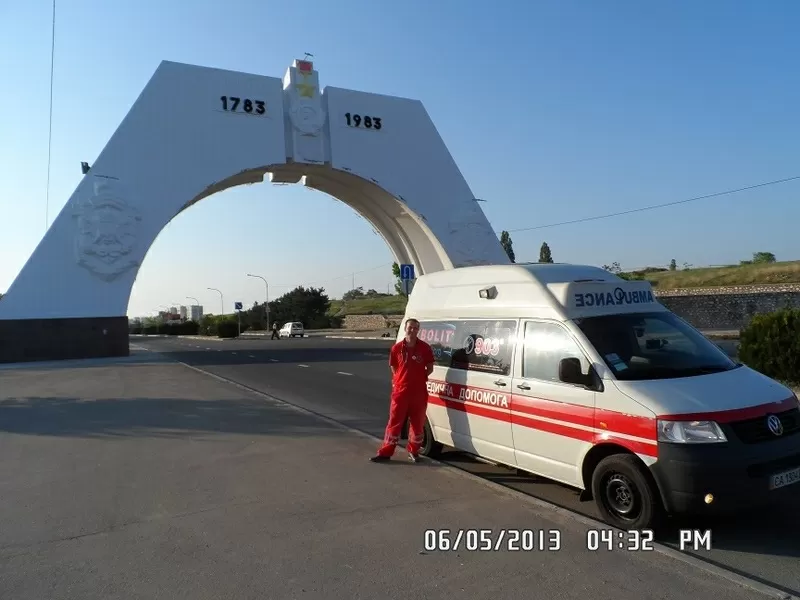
(690, 432)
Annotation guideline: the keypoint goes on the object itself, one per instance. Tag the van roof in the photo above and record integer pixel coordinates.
(552, 290)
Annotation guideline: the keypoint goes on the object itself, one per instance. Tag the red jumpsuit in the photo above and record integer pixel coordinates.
(409, 395)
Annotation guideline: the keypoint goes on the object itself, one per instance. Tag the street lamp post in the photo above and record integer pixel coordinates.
(221, 300)
(196, 302)
(266, 306)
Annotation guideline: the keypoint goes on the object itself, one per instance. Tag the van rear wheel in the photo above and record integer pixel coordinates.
(430, 447)
(624, 493)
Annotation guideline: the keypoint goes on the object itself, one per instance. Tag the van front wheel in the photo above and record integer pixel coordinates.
(624, 494)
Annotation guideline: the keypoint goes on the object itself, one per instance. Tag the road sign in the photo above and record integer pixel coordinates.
(406, 272)
(237, 306)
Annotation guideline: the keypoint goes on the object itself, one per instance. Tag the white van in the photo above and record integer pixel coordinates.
(579, 376)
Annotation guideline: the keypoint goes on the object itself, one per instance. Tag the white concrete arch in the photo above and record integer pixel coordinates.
(195, 131)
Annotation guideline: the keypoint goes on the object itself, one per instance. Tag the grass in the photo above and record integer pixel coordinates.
(759, 274)
(384, 305)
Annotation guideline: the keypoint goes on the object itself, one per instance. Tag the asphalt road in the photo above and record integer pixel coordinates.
(348, 380)
(142, 478)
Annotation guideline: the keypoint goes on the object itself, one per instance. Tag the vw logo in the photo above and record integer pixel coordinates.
(774, 425)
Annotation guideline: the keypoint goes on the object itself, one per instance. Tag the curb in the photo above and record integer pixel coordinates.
(696, 562)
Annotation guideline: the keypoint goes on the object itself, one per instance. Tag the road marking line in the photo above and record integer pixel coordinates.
(208, 348)
(273, 360)
(304, 366)
(252, 355)
(343, 373)
(233, 352)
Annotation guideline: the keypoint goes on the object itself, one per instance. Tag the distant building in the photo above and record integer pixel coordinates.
(173, 310)
(196, 312)
(183, 313)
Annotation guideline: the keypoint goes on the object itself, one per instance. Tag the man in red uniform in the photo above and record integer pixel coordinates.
(411, 361)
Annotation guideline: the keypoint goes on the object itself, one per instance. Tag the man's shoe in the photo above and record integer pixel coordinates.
(413, 457)
(379, 458)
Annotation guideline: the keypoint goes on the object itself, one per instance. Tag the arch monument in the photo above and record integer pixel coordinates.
(195, 131)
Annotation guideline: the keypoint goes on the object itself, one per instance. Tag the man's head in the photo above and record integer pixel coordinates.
(412, 329)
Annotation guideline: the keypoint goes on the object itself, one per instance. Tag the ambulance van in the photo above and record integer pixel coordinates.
(576, 375)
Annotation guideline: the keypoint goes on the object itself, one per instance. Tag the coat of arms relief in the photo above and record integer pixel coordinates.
(106, 241)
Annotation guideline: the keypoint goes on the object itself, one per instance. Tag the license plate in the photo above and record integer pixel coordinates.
(780, 480)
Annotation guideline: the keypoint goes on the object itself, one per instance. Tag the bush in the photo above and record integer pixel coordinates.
(771, 344)
(228, 329)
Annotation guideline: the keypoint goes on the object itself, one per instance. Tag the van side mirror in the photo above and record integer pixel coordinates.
(569, 371)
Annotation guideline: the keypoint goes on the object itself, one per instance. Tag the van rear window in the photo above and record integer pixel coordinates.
(471, 345)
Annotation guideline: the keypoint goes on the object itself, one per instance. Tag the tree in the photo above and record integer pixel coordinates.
(354, 294)
(763, 257)
(545, 256)
(398, 284)
(307, 305)
(508, 245)
(673, 266)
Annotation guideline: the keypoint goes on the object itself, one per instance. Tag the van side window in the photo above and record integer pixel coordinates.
(483, 346)
(441, 335)
(544, 345)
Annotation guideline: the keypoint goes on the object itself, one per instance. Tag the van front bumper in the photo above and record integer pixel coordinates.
(737, 475)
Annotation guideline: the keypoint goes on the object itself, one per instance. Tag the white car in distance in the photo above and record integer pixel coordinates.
(292, 329)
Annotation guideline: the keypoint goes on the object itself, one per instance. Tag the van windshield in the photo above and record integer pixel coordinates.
(657, 345)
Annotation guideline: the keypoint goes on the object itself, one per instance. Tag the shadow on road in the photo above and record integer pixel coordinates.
(155, 417)
(251, 356)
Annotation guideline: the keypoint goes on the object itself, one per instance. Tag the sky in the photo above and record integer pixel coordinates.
(554, 111)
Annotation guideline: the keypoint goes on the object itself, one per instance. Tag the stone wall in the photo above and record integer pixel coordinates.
(729, 308)
(370, 322)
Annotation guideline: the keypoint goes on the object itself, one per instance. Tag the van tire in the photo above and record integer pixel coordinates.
(430, 447)
(625, 494)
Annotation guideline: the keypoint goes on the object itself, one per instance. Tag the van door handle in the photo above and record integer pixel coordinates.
(524, 386)
(500, 382)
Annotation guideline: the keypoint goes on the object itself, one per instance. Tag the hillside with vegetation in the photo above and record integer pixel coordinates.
(762, 269)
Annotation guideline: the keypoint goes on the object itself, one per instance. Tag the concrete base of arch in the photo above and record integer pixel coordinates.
(195, 131)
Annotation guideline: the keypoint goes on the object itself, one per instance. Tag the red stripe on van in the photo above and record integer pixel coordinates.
(632, 445)
(565, 430)
(612, 421)
(471, 408)
(554, 428)
(539, 407)
(736, 414)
